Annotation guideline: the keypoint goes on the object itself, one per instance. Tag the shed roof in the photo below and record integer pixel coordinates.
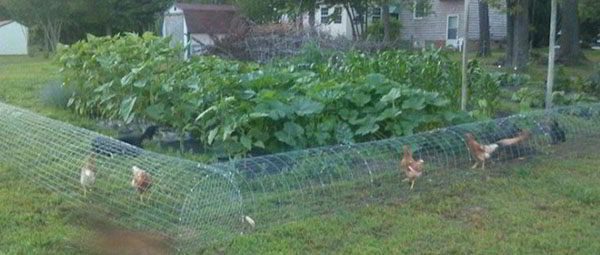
(5, 22)
(208, 18)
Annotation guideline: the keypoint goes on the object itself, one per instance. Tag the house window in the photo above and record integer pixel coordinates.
(452, 27)
(376, 14)
(338, 15)
(420, 9)
(324, 15)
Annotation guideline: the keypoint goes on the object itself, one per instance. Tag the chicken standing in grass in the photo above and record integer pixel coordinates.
(482, 152)
(141, 181)
(412, 168)
(88, 173)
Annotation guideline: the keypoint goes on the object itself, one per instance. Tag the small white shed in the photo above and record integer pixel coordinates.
(197, 25)
(13, 38)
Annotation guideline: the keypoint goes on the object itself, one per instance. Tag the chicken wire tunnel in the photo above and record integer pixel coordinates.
(291, 186)
(190, 202)
(199, 204)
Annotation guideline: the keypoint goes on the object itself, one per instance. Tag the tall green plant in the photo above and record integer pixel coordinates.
(236, 107)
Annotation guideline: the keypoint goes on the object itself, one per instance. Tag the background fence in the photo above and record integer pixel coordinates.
(198, 205)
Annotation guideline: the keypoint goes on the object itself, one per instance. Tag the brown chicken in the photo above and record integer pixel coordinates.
(141, 181)
(87, 177)
(412, 168)
(482, 152)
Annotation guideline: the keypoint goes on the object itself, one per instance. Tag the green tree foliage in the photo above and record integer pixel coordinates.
(589, 19)
(377, 30)
(49, 16)
(70, 20)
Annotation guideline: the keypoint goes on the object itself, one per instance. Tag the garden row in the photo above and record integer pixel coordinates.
(316, 99)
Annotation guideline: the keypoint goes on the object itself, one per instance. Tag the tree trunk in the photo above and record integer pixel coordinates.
(352, 23)
(311, 19)
(510, 33)
(465, 58)
(385, 18)
(484, 29)
(52, 30)
(551, 54)
(521, 35)
(570, 50)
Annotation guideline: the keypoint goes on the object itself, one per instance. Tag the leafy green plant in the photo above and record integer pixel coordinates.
(116, 75)
(514, 79)
(529, 97)
(375, 31)
(592, 84)
(235, 107)
(485, 88)
(566, 98)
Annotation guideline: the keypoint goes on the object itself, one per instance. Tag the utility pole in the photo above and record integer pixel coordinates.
(551, 55)
(465, 82)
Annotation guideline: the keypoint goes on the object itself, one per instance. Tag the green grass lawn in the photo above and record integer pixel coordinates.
(548, 204)
(544, 205)
(22, 80)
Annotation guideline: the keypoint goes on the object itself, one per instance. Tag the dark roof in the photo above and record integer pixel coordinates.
(208, 18)
(5, 22)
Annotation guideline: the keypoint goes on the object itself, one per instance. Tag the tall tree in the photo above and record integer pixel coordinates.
(108, 17)
(539, 18)
(551, 54)
(510, 33)
(49, 16)
(312, 19)
(521, 34)
(385, 19)
(589, 18)
(570, 51)
(484, 29)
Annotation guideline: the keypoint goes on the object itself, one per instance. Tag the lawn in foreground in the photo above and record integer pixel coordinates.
(536, 207)
(542, 207)
(546, 207)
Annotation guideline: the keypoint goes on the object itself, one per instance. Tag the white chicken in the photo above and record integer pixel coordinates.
(250, 221)
(88, 173)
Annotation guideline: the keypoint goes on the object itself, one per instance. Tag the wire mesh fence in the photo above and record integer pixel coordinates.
(190, 202)
(198, 205)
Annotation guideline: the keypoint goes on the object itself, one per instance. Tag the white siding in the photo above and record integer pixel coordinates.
(174, 25)
(13, 39)
(433, 26)
(342, 29)
(497, 22)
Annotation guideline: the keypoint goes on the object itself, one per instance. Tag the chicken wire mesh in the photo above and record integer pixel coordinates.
(198, 205)
(189, 202)
(291, 186)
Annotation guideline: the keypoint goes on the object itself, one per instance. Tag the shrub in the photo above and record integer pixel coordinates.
(375, 31)
(55, 95)
(592, 84)
(529, 97)
(110, 71)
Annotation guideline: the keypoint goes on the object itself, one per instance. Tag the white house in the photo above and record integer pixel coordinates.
(196, 26)
(441, 24)
(13, 38)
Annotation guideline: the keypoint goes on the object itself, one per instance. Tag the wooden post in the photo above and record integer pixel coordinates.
(465, 59)
(551, 55)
